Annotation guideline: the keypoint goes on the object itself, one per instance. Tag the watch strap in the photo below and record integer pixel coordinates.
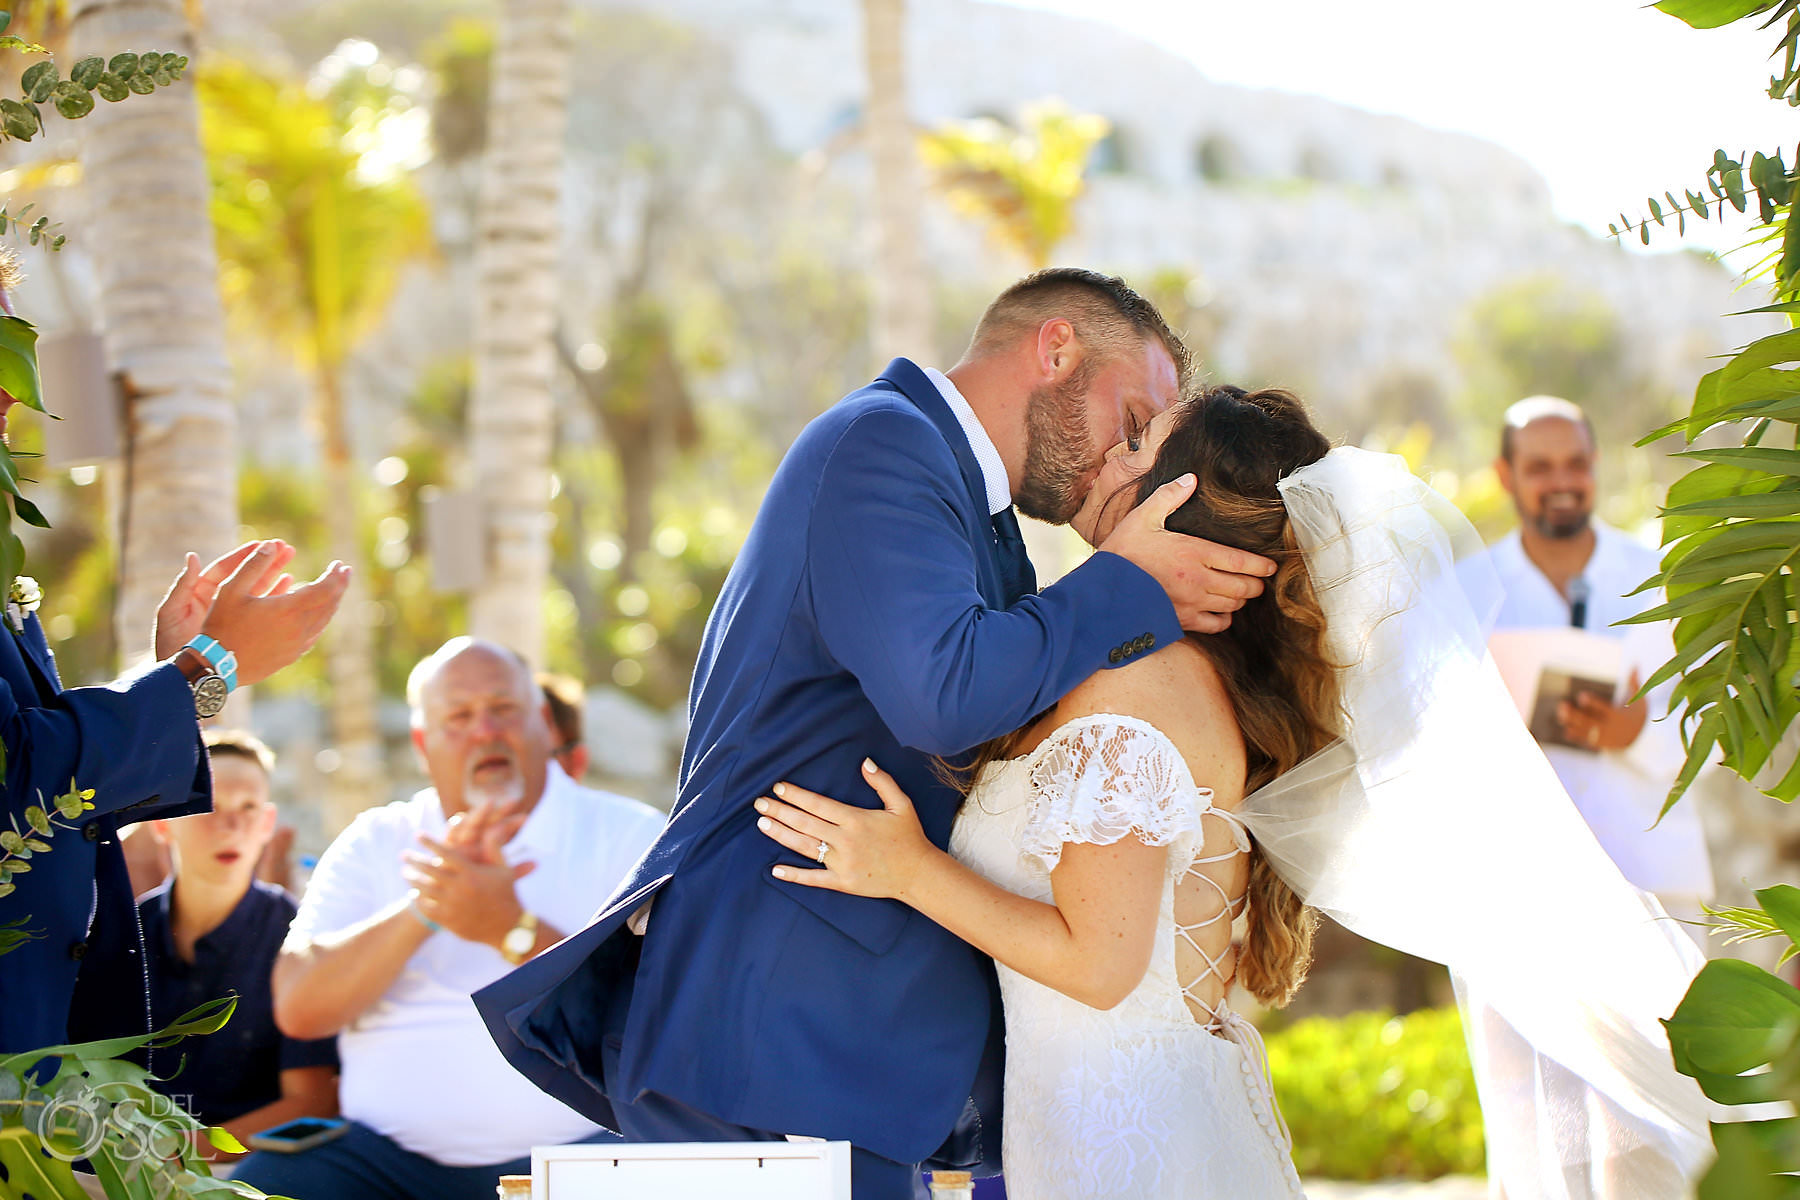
(223, 661)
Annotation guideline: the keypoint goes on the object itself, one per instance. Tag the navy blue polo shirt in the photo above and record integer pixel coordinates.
(238, 1069)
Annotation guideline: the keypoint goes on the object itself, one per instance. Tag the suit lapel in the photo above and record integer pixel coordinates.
(915, 385)
(37, 653)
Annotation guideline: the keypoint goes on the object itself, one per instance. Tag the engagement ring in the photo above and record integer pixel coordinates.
(824, 849)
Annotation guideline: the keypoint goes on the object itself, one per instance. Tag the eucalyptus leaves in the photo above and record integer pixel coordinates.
(73, 98)
(18, 845)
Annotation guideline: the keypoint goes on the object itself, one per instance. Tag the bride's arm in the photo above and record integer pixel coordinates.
(1092, 945)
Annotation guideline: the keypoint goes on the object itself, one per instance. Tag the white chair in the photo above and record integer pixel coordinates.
(692, 1171)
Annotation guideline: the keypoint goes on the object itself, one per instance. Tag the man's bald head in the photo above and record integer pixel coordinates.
(478, 723)
(1540, 408)
(430, 669)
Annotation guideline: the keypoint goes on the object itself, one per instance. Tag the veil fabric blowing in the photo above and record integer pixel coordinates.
(1436, 826)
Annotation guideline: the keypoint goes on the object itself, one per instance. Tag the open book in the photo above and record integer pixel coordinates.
(1543, 668)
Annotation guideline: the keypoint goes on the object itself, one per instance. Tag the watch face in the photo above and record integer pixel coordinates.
(209, 695)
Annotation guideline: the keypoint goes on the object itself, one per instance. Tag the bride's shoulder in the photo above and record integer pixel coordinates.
(1178, 692)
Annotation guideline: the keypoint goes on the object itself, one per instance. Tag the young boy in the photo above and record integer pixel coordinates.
(212, 929)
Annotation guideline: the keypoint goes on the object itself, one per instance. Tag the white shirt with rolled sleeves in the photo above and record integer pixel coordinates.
(1618, 792)
(418, 1066)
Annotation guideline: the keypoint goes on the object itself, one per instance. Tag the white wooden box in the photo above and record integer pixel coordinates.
(692, 1171)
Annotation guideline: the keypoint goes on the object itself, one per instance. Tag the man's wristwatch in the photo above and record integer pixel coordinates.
(211, 671)
(210, 688)
(520, 940)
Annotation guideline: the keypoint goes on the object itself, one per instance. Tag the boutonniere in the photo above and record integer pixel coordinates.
(22, 598)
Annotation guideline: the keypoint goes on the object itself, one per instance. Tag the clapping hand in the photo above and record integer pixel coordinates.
(185, 605)
(472, 897)
(863, 851)
(249, 603)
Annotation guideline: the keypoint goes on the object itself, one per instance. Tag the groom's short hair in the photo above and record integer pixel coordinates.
(1107, 315)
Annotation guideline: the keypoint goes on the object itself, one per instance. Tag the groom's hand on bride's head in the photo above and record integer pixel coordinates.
(1205, 581)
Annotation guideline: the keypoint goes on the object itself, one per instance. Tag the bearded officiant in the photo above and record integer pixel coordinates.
(1567, 577)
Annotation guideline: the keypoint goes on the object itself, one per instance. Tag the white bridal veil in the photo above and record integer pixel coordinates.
(1437, 827)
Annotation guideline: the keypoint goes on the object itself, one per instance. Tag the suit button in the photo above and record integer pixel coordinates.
(78, 951)
(1115, 654)
(1149, 640)
(91, 831)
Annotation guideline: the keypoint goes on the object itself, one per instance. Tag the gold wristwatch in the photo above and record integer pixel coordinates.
(520, 940)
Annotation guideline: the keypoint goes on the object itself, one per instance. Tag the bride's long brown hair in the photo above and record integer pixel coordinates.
(1283, 687)
(1282, 683)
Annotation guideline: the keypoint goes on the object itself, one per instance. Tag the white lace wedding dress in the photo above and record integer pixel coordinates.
(1166, 1096)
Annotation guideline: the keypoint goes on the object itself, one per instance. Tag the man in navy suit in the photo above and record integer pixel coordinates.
(136, 744)
(882, 606)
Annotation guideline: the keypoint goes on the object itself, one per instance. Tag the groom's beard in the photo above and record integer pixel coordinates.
(1057, 447)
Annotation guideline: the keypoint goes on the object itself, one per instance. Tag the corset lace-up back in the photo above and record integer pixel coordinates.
(1166, 1095)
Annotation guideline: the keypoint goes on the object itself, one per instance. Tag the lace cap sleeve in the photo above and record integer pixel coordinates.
(1099, 780)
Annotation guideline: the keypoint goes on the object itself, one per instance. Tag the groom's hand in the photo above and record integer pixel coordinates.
(1205, 581)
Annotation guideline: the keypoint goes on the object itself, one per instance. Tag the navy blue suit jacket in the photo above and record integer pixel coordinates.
(866, 615)
(136, 743)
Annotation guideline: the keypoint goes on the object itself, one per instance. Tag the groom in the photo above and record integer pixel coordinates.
(883, 606)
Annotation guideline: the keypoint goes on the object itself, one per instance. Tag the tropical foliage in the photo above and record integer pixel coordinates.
(1376, 1096)
(97, 1106)
(1731, 577)
(1022, 182)
(317, 219)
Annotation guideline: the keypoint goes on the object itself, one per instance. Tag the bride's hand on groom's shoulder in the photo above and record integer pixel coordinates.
(1206, 581)
(863, 851)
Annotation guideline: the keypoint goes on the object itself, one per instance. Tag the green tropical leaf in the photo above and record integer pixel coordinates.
(1783, 501)
(1782, 903)
(18, 361)
(207, 1018)
(144, 84)
(1751, 1164)
(1772, 460)
(31, 1172)
(123, 65)
(1700, 600)
(1735, 1018)
(30, 513)
(1710, 14)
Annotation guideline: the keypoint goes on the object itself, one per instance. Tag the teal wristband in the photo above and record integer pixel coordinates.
(412, 906)
(223, 661)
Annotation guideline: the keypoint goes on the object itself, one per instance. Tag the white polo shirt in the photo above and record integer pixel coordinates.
(419, 1066)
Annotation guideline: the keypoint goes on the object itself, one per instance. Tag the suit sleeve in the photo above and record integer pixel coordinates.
(135, 742)
(892, 581)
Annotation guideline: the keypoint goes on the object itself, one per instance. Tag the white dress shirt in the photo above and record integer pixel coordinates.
(993, 471)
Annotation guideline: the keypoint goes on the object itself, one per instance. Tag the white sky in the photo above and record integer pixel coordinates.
(1609, 101)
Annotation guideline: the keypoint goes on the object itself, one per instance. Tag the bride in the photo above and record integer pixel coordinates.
(1339, 739)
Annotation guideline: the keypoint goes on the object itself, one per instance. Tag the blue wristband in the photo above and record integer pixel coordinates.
(412, 906)
(223, 661)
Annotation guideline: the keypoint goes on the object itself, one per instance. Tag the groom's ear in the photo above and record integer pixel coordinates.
(1058, 351)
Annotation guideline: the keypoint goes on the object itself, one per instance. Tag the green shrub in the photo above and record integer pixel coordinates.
(1375, 1096)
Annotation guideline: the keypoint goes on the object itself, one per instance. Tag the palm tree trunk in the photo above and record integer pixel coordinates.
(518, 234)
(350, 640)
(150, 234)
(900, 286)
